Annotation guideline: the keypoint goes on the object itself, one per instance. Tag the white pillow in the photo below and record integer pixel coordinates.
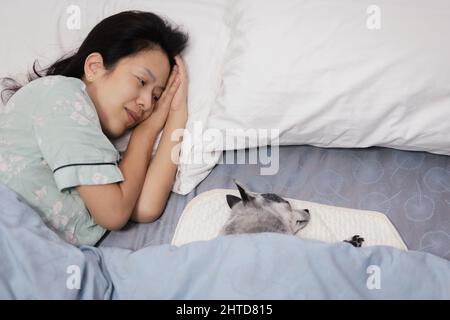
(323, 74)
(47, 29)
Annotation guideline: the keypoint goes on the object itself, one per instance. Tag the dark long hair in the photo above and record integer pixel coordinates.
(118, 36)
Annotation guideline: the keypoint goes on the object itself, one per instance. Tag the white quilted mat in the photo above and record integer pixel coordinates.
(205, 215)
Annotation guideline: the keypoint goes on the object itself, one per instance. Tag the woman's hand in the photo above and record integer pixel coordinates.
(158, 118)
(179, 102)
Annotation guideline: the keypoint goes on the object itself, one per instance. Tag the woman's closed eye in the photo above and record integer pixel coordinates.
(141, 81)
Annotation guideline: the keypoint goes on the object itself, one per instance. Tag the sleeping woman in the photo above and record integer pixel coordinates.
(55, 131)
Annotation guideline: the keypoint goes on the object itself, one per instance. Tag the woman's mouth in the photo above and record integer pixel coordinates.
(131, 116)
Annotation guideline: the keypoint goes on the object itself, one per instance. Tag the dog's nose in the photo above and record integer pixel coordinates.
(307, 211)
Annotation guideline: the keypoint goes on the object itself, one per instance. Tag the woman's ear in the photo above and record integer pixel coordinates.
(93, 66)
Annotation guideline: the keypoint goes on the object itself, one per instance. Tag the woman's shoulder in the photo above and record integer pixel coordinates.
(60, 97)
(47, 90)
(58, 82)
(48, 86)
(56, 90)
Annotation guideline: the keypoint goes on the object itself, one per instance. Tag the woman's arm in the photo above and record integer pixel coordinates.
(111, 204)
(161, 173)
(162, 170)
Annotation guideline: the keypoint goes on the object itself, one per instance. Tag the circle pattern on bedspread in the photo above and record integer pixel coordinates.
(436, 242)
(438, 179)
(369, 171)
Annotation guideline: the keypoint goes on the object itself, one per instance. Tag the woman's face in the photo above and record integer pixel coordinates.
(126, 96)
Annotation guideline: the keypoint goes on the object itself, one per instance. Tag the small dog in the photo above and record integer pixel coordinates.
(267, 212)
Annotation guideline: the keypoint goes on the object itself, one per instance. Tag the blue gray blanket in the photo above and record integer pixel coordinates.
(35, 263)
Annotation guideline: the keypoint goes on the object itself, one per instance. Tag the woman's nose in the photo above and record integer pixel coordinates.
(144, 107)
(145, 102)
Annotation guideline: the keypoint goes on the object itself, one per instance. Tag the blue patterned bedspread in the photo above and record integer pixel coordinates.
(36, 263)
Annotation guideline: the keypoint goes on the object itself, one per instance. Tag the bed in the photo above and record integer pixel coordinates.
(140, 262)
(386, 180)
(354, 113)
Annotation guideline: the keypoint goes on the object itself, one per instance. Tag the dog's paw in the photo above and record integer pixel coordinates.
(355, 241)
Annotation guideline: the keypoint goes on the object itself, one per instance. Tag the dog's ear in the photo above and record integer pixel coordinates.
(244, 195)
(232, 200)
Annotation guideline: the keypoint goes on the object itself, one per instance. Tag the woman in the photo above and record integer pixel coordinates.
(55, 149)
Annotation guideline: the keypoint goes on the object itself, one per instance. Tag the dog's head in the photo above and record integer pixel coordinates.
(269, 203)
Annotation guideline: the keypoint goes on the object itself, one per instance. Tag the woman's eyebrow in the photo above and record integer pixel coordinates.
(150, 74)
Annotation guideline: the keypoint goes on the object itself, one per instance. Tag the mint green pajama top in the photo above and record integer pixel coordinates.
(50, 142)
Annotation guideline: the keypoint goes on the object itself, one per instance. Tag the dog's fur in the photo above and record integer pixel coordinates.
(266, 212)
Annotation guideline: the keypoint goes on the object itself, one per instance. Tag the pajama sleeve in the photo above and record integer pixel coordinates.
(69, 135)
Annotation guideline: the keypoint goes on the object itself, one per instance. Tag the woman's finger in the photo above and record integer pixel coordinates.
(179, 61)
(181, 66)
(170, 82)
(182, 70)
(172, 90)
(168, 94)
(172, 77)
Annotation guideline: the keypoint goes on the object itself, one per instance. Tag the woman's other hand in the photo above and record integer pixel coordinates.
(179, 102)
